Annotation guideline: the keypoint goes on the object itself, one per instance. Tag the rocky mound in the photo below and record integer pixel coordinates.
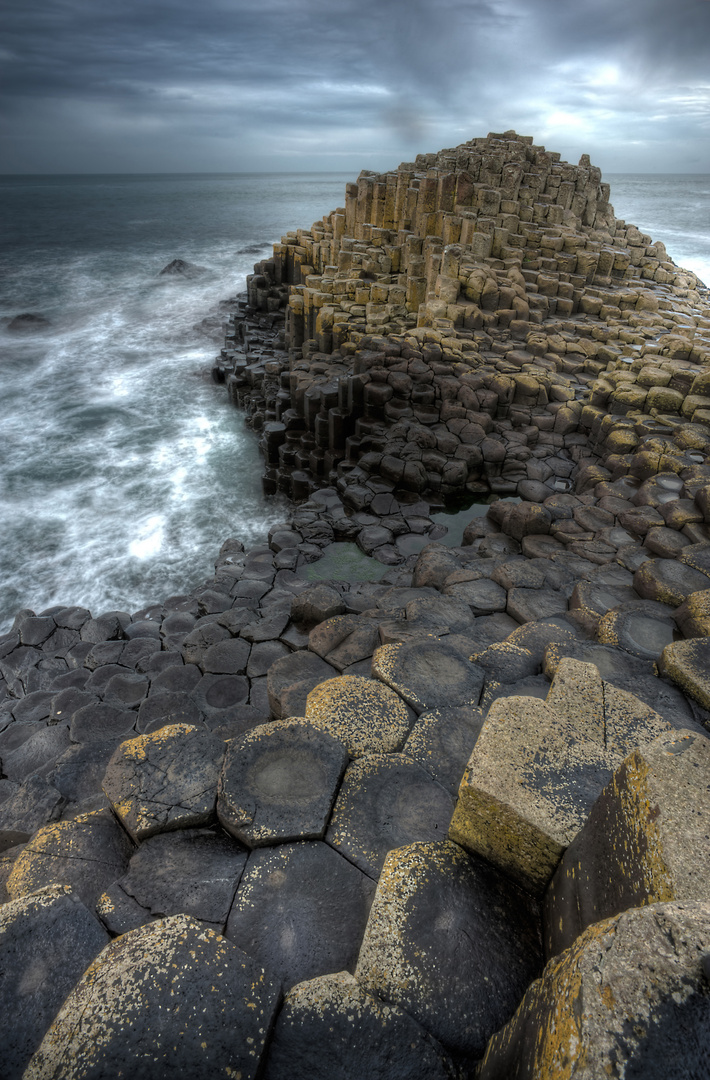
(447, 820)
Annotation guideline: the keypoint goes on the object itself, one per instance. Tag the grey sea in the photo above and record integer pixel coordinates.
(122, 467)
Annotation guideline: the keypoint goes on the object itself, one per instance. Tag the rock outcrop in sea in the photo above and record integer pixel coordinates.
(367, 803)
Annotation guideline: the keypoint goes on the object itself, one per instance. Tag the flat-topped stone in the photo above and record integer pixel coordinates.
(450, 941)
(538, 767)
(166, 780)
(160, 1001)
(87, 853)
(301, 910)
(278, 783)
(386, 801)
(429, 674)
(687, 663)
(363, 714)
(47, 940)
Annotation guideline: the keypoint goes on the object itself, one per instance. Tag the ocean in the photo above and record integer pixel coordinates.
(122, 466)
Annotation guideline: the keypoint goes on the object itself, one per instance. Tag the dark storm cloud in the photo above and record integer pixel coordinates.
(223, 84)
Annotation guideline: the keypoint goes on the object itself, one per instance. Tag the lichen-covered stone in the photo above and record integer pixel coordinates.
(450, 941)
(160, 1002)
(647, 840)
(330, 1029)
(688, 664)
(278, 783)
(365, 716)
(629, 998)
(87, 853)
(166, 780)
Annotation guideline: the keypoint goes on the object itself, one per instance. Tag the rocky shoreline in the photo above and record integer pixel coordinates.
(444, 812)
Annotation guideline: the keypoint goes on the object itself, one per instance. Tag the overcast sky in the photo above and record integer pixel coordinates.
(293, 85)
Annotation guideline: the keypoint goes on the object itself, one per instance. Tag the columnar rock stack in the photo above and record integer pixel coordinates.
(445, 812)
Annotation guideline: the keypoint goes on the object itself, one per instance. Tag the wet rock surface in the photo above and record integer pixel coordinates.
(368, 748)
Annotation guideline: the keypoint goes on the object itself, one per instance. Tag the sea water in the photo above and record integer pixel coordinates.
(122, 467)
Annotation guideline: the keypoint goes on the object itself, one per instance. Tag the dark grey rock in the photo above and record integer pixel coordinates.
(278, 783)
(160, 710)
(301, 908)
(34, 804)
(44, 745)
(46, 943)
(291, 679)
(97, 723)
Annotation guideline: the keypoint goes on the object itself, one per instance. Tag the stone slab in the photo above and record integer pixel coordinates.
(429, 674)
(366, 716)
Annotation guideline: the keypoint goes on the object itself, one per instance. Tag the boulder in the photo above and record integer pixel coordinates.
(160, 1002)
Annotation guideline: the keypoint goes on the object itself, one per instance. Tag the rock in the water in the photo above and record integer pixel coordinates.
(629, 998)
(28, 322)
(450, 941)
(330, 1029)
(301, 910)
(47, 941)
(181, 268)
(170, 999)
(164, 781)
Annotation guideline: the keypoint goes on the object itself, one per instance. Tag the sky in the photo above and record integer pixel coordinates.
(299, 85)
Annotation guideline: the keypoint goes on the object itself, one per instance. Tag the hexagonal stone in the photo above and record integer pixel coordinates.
(33, 804)
(47, 941)
(385, 802)
(443, 741)
(528, 605)
(429, 674)
(367, 717)
(164, 781)
(628, 997)
(301, 910)
(191, 872)
(693, 615)
(278, 783)
(88, 853)
(590, 601)
(441, 613)
(162, 710)
(44, 746)
(688, 664)
(78, 773)
(315, 604)
(329, 1028)
(538, 767)
(452, 942)
(99, 722)
(228, 657)
(162, 1001)
(483, 596)
(504, 662)
(126, 691)
(290, 680)
(668, 580)
(641, 627)
(646, 840)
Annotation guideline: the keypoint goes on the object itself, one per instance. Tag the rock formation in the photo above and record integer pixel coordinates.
(400, 808)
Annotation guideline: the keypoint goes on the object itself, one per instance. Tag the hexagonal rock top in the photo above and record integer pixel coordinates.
(452, 942)
(301, 910)
(429, 674)
(629, 998)
(166, 780)
(385, 802)
(278, 783)
(162, 1001)
(328, 1025)
(367, 717)
(87, 852)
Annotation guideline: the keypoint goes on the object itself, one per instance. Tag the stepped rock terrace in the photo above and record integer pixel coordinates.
(372, 801)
